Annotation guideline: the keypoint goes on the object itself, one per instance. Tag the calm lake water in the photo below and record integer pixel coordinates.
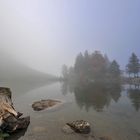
(111, 112)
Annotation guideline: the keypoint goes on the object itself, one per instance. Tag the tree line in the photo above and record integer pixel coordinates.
(133, 67)
(92, 67)
(96, 66)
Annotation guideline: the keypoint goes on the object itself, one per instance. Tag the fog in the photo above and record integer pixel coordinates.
(39, 42)
(46, 34)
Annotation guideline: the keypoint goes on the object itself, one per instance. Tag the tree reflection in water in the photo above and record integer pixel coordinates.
(95, 95)
(134, 95)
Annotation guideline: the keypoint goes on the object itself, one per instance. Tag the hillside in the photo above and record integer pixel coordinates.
(11, 69)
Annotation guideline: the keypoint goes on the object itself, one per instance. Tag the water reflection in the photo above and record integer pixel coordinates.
(134, 95)
(22, 86)
(67, 87)
(97, 95)
(64, 88)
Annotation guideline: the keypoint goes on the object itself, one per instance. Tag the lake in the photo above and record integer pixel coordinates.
(113, 112)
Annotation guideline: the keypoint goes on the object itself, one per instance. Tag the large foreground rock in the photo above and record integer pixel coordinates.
(12, 124)
(10, 120)
(44, 104)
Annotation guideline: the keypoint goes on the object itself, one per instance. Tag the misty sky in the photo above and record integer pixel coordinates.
(45, 34)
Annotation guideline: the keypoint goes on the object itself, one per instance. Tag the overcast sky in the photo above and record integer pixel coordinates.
(45, 34)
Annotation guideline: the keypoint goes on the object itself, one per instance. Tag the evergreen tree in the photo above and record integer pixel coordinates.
(94, 67)
(114, 69)
(86, 63)
(79, 64)
(97, 65)
(133, 67)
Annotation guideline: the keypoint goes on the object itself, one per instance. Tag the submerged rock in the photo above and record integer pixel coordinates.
(43, 104)
(80, 126)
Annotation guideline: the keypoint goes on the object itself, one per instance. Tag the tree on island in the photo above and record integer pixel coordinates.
(90, 66)
(79, 64)
(94, 67)
(133, 67)
(97, 65)
(114, 69)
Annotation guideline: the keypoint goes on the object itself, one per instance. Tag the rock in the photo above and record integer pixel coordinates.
(105, 138)
(10, 120)
(6, 91)
(80, 126)
(67, 129)
(43, 104)
(12, 124)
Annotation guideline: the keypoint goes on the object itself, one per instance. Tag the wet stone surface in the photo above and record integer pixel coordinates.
(44, 104)
(10, 119)
(80, 126)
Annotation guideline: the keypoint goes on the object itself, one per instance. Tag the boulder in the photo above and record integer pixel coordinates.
(10, 120)
(44, 104)
(12, 124)
(80, 126)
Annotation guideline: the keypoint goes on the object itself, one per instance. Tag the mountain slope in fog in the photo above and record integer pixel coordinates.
(12, 69)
